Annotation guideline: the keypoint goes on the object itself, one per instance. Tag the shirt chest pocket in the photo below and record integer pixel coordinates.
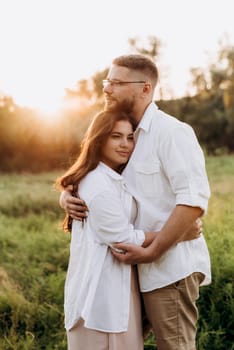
(148, 178)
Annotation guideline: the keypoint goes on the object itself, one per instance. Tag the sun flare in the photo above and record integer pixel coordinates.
(50, 48)
(46, 101)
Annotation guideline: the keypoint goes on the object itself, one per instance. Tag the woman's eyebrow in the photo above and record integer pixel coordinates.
(116, 133)
(120, 133)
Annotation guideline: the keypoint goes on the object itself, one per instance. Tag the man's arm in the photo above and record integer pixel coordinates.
(74, 206)
(172, 232)
(193, 232)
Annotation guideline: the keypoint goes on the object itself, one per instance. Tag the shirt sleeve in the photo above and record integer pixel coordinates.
(109, 220)
(184, 164)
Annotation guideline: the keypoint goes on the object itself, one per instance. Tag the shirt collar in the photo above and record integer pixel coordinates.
(110, 172)
(147, 117)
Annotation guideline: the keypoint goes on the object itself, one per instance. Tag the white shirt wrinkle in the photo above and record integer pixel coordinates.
(110, 221)
(96, 283)
(167, 167)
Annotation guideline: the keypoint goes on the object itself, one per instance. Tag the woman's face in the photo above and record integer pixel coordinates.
(119, 145)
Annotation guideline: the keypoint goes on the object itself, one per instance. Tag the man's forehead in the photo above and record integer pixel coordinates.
(124, 73)
(118, 72)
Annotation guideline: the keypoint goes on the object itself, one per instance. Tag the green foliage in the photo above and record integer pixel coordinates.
(34, 257)
(28, 144)
(216, 322)
(207, 116)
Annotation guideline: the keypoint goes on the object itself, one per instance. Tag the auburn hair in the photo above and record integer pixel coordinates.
(90, 152)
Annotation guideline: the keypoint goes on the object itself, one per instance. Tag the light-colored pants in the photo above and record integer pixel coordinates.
(81, 338)
(173, 314)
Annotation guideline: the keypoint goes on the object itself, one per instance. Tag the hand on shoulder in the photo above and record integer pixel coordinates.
(73, 206)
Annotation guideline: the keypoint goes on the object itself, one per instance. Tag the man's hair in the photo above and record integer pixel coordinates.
(139, 63)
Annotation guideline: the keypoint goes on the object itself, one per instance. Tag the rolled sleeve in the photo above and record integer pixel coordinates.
(110, 222)
(185, 168)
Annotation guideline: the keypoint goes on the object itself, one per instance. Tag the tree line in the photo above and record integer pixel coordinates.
(27, 143)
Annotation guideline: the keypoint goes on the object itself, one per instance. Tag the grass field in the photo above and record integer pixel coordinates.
(34, 255)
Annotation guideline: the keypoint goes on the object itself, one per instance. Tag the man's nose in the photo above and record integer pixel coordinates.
(107, 88)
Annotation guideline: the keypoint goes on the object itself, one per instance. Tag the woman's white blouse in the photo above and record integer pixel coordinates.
(97, 287)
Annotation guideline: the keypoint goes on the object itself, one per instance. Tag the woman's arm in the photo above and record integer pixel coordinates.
(110, 221)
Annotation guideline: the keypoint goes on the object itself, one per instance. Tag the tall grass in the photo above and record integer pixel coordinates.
(34, 256)
(33, 259)
(216, 304)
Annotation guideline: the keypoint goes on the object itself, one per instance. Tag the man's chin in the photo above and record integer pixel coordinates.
(125, 105)
(109, 105)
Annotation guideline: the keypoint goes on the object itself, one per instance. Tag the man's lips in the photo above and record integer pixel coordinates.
(109, 99)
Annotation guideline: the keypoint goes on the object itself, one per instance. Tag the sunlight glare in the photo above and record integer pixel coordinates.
(49, 47)
(46, 100)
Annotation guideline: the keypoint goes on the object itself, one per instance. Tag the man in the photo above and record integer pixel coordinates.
(166, 174)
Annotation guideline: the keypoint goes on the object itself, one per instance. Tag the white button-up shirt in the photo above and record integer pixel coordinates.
(167, 168)
(97, 287)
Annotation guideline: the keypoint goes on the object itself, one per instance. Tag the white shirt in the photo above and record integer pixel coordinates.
(97, 287)
(167, 168)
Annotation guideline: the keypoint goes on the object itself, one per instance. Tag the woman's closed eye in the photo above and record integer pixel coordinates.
(130, 137)
(116, 136)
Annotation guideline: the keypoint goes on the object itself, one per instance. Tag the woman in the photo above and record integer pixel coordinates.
(102, 303)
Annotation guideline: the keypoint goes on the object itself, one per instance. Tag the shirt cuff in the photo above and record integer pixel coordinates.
(140, 237)
(194, 201)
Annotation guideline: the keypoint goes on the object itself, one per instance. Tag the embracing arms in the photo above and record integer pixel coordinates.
(184, 224)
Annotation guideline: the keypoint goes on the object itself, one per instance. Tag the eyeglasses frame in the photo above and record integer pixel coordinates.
(107, 82)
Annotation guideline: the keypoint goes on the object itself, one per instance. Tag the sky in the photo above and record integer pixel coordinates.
(48, 45)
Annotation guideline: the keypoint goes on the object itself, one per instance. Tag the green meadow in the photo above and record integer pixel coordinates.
(34, 256)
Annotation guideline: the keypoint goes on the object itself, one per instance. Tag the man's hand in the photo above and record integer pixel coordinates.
(74, 206)
(179, 227)
(133, 254)
(193, 232)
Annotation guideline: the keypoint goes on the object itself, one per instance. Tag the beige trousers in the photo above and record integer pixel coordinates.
(81, 338)
(173, 314)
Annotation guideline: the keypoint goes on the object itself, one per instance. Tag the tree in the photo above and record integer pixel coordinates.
(97, 83)
(199, 80)
(151, 47)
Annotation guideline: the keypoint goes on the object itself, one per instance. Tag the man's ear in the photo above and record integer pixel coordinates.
(147, 87)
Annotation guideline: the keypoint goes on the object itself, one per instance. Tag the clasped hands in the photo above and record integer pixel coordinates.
(132, 254)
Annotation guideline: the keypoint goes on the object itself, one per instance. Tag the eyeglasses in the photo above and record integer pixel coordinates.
(108, 82)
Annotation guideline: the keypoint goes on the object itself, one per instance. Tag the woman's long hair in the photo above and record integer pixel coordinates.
(91, 152)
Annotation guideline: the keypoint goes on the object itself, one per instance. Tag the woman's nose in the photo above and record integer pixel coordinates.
(124, 142)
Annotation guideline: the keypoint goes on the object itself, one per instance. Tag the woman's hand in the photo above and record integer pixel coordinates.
(133, 254)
